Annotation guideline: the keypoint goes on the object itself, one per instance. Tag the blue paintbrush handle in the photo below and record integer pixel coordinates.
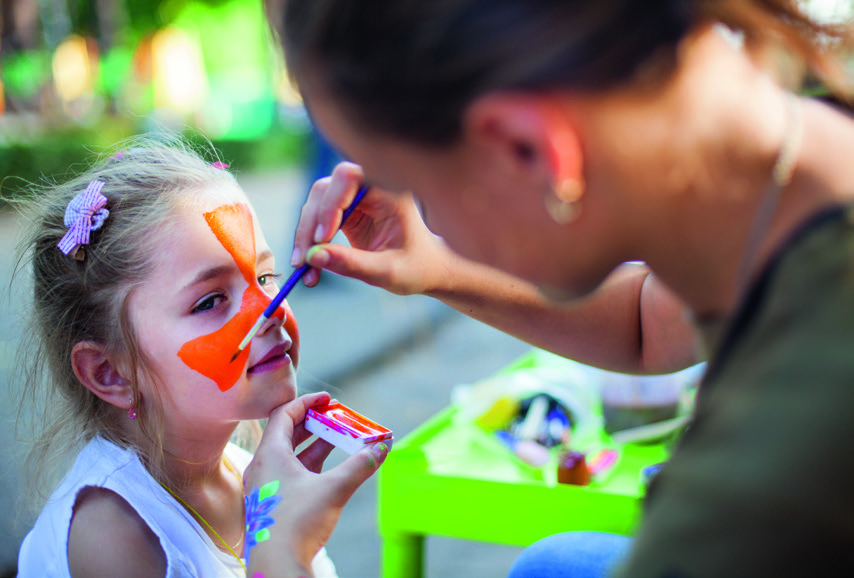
(286, 288)
(298, 273)
(290, 283)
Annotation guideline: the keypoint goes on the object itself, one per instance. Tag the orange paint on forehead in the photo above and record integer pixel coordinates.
(210, 354)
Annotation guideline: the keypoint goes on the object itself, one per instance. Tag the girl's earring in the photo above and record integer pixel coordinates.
(562, 202)
(132, 412)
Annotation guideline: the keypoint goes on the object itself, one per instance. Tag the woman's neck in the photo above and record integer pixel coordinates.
(713, 279)
(701, 172)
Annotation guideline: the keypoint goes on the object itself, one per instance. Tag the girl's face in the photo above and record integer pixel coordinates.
(214, 275)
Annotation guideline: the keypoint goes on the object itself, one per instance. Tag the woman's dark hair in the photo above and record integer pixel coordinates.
(409, 68)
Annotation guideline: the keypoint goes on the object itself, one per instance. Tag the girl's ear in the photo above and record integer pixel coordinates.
(97, 372)
(535, 133)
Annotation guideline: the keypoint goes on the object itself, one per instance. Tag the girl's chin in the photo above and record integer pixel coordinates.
(264, 408)
(286, 396)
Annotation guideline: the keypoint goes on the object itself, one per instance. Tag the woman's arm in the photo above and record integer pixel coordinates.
(631, 324)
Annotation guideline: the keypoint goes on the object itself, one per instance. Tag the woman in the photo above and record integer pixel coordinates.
(554, 141)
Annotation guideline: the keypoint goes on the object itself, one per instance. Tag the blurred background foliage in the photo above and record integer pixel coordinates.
(76, 76)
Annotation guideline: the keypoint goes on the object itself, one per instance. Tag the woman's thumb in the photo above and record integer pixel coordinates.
(368, 266)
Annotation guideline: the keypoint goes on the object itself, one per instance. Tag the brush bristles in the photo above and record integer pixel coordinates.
(245, 343)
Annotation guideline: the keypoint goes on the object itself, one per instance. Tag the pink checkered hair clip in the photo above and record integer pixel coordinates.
(219, 165)
(85, 213)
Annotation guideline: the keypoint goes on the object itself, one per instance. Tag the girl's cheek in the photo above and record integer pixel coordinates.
(293, 331)
(210, 354)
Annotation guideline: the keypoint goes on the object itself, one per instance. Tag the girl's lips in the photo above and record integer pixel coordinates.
(275, 358)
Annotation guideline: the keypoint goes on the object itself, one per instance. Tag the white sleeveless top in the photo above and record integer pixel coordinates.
(190, 552)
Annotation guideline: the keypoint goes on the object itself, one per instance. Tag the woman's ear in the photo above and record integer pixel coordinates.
(99, 374)
(535, 133)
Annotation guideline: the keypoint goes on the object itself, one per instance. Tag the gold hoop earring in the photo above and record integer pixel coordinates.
(562, 202)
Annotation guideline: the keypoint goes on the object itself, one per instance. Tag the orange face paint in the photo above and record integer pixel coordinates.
(210, 354)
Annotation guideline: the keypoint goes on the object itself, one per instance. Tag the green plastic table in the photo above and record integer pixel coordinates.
(451, 478)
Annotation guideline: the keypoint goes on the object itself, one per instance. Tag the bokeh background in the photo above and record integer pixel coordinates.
(82, 74)
(77, 76)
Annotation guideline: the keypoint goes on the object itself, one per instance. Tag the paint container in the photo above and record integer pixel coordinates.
(602, 464)
(499, 414)
(345, 428)
(572, 469)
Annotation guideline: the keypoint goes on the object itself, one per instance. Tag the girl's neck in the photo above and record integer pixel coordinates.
(188, 461)
(193, 463)
(196, 472)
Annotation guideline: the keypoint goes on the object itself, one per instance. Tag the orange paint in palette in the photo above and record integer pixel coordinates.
(344, 428)
(209, 354)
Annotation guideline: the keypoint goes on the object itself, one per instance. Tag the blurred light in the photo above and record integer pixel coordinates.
(829, 11)
(142, 60)
(2, 98)
(178, 71)
(75, 65)
(216, 119)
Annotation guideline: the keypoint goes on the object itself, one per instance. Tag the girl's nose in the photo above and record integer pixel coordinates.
(274, 323)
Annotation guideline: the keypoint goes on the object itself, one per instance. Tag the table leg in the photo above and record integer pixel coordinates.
(403, 556)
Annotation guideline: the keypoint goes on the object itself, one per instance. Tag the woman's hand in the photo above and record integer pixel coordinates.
(391, 246)
(311, 501)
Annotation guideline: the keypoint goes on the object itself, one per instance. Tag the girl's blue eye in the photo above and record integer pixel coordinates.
(208, 303)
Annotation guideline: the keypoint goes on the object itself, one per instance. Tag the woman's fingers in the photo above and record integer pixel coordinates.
(368, 266)
(311, 277)
(342, 189)
(308, 221)
(321, 214)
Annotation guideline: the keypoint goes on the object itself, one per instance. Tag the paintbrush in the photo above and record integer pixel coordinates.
(290, 283)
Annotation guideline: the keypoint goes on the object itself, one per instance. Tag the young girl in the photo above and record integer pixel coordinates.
(147, 271)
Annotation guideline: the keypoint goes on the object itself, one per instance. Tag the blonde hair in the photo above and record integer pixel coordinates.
(87, 300)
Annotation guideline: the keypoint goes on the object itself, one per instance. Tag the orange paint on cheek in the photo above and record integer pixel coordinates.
(210, 354)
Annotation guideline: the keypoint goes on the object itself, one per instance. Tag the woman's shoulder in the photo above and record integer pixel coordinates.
(103, 517)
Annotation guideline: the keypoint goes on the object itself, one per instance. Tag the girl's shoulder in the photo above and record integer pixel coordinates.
(101, 517)
(91, 507)
(108, 497)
